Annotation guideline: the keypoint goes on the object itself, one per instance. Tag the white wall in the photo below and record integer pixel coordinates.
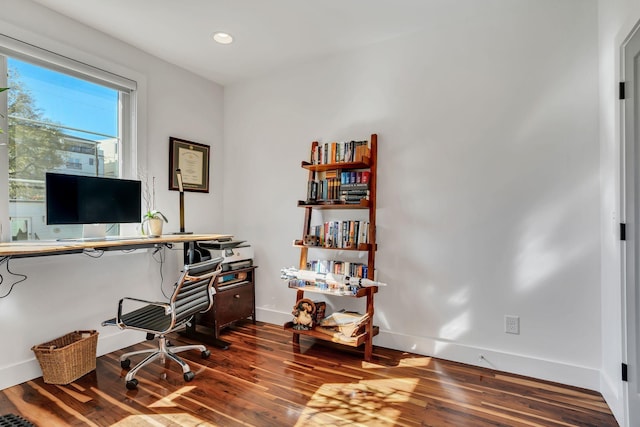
(488, 190)
(616, 20)
(487, 124)
(69, 292)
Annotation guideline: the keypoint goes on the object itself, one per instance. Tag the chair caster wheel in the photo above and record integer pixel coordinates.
(188, 376)
(205, 354)
(132, 384)
(124, 364)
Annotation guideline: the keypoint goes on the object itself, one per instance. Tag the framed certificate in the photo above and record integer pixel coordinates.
(193, 161)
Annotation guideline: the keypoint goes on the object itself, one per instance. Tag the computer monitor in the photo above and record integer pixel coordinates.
(77, 199)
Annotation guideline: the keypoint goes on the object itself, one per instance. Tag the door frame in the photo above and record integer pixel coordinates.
(630, 187)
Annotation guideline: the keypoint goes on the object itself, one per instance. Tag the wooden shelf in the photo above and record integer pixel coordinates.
(364, 164)
(357, 341)
(364, 204)
(363, 247)
(362, 292)
(367, 160)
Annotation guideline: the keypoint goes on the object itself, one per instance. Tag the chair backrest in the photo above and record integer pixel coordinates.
(194, 291)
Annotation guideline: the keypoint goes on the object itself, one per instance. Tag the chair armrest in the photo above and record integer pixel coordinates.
(120, 322)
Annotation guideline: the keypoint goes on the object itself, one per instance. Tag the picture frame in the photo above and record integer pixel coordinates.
(192, 159)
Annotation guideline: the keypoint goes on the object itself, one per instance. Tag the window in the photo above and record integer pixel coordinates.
(60, 116)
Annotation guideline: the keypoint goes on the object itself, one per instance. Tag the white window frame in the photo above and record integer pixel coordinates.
(128, 154)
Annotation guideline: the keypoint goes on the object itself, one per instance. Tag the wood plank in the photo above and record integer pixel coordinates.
(263, 379)
(52, 247)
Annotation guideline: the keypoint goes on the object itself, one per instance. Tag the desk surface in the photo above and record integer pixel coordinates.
(53, 247)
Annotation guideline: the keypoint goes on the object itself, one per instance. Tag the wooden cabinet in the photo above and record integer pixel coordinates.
(234, 300)
(327, 190)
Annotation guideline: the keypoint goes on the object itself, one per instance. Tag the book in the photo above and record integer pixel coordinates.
(353, 199)
(312, 190)
(347, 323)
(354, 192)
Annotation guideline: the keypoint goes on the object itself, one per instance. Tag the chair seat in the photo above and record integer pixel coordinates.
(151, 317)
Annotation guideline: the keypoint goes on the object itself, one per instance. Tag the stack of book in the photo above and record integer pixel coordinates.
(344, 325)
(354, 186)
(338, 152)
(342, 234)
(351, 269)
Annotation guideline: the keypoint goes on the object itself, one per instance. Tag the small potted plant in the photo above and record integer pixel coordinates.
(152, 220)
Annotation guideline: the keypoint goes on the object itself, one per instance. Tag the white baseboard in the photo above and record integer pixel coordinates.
(20, 372)
(559, 372)
(30, 368)
(114, 341)
(613, 396)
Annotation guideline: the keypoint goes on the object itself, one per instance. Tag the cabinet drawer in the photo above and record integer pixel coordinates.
(234, 303)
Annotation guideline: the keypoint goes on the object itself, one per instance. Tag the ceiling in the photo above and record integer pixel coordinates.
(269, 34)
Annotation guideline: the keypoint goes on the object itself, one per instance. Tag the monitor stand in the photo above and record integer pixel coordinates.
(94, 231)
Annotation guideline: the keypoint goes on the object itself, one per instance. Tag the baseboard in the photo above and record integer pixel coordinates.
(113, 341)
(559, 372)
(614, 396)
(30, 368)
(20, 372)
(549, 370)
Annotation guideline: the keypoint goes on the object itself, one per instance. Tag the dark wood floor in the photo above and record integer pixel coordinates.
(263, 380)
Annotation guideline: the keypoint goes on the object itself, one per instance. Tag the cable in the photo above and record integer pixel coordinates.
(93, 253)
(159, 256)
(24, 276)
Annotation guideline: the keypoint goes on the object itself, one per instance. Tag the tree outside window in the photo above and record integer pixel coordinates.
(83, 142)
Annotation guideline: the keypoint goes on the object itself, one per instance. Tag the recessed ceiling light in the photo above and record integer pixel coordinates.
(223, 38)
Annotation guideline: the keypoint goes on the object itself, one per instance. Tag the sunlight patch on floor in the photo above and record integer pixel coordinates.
(414, 362)
(160, 420)
(361, 402)
(409, 362)
(167, 401)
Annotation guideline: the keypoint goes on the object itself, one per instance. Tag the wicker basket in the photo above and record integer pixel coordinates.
(67, 358)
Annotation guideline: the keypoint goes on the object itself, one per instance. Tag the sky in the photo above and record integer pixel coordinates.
(70, 101)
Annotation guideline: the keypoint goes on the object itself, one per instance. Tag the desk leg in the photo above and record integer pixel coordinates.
(191, 332)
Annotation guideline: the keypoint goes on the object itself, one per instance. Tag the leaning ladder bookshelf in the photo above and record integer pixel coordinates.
(363, 161)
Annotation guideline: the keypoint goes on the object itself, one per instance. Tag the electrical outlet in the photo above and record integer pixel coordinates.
(512, 324)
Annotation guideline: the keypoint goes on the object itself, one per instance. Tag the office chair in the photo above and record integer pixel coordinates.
(193, 293)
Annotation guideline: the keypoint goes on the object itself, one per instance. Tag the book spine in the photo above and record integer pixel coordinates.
(312, 190)
(326, 240)
(354, 234)
(354, 186)
(363, 232)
